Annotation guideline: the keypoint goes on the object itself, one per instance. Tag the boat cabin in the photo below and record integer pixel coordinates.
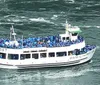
(71, 33)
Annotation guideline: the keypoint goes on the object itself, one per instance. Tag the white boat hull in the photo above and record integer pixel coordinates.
(49, 62)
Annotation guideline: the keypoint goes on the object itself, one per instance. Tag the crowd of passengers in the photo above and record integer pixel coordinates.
(83, 50)
(49, 41)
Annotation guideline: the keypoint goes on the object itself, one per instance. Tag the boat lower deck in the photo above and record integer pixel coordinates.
(67, 61)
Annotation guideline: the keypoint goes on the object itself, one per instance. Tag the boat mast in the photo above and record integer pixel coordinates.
(67, 26)
(12, 33)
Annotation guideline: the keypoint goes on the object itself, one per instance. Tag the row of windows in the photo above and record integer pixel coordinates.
(67, 38)
(35, 56)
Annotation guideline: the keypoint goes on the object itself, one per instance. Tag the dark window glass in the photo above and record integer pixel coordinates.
(63, 38)
(61, 54)
(24, 56)
(13, 56)
(27, 56)
(52, 54)
(67, 38)
(43, 55)
(74, 34)
(35, 56)
(70, 53)
(3, 55)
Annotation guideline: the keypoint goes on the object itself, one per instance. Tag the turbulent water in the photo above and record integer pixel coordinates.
(48, 17)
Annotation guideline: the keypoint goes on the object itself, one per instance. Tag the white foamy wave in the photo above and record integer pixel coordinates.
(69, 74)
(1, 23)
(63, 74)
(42, 1)
(14, 16)
(31, 76)
(10, 16)
(5, 23)
(86, 26)
(54, 17)
(78, 8)
(49, 0)
(69, 1)
(14, 20)
(98, 26)
(40, 20)
(23, 17)
(21, 77)
(93, 5)
(91, 26)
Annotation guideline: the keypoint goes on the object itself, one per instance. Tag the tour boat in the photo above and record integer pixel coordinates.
(66, 49)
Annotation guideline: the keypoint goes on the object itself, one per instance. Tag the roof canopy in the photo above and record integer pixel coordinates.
(73, 29)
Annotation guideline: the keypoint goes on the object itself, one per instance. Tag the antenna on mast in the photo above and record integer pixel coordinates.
(67, 26)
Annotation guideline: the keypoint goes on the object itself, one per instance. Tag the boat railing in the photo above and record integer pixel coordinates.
(50, 41)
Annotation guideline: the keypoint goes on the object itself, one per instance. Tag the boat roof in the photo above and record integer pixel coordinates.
(72, 29)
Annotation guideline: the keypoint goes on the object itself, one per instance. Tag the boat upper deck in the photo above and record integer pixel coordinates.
(36, 42)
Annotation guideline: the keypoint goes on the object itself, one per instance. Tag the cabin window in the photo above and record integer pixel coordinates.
(3, 55)
(35, 56)
(13, 56)
(43, 55)
(24, 56)
(60, 54)
(67, 38)
(70, 53)
(52, 54)
(76, 52)
(74, 34)
(27, 56)
(63, 38)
